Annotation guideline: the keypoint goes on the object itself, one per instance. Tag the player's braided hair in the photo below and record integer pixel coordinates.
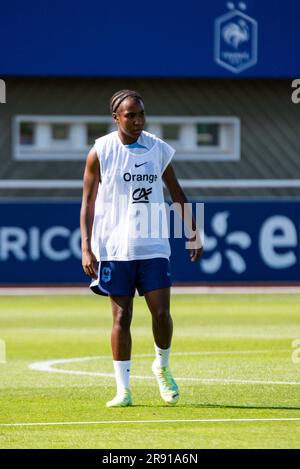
(120, 96)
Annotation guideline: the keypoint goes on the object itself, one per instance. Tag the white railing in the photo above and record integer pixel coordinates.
(185, 183)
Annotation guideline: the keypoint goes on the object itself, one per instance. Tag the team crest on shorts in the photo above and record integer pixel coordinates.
(106, 274)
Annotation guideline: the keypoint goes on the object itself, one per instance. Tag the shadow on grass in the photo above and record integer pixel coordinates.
(215, 406)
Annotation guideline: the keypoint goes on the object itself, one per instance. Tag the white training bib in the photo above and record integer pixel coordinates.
(130, 217)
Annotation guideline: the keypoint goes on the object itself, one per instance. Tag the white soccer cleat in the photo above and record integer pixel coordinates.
(167, 385)
(122, 399)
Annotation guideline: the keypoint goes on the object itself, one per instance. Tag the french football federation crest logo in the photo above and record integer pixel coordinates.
(106, 274)
(236, 39)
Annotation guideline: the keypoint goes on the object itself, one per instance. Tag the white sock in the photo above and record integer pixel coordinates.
(122, 374)
(162, 356)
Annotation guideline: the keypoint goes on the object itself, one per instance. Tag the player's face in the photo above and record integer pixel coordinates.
(130, 118)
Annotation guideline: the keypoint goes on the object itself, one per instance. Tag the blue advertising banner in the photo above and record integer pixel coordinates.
(251, 38)
(245, 242)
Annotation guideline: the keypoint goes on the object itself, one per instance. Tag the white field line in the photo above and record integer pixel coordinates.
(114, 422)
(289, 334)
(49, 366)
(176, 290)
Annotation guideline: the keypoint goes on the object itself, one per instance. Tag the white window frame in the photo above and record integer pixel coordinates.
(75, 149)
(72, 149)
(204, 152)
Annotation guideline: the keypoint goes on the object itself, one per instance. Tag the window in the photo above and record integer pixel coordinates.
(199, 138)
(60, 131)
(208, 135)
(26, 136)
(57, 137)
(70, 137)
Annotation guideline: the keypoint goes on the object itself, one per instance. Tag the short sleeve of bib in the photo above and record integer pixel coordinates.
(167, 153)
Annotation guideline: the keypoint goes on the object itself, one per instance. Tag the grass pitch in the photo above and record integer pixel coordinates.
(232, 356)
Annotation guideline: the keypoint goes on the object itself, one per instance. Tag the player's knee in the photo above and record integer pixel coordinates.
(122, 318)
(162, 316)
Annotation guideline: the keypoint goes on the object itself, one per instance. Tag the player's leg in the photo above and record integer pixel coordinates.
(120, 336)
(154, 282)
(121, 348)
(158, 302)
(116, 279)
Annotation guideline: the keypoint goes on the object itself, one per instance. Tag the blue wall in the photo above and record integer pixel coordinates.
(246, 241)
(157, 38)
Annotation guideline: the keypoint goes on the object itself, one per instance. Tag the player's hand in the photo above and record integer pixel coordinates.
(90, 264)
(195, 254)
(195, 248)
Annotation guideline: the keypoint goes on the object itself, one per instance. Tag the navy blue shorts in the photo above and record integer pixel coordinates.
(121, 278)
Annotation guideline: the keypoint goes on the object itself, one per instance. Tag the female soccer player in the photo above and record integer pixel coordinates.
(123, 177)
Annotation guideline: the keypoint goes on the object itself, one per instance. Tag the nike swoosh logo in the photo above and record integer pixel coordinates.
(138, 165)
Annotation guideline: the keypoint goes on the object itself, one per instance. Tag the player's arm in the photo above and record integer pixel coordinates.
(178, 196)
(91, 181)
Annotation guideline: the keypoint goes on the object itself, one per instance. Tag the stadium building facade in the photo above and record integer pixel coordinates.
(247, 130)
(220, 93)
